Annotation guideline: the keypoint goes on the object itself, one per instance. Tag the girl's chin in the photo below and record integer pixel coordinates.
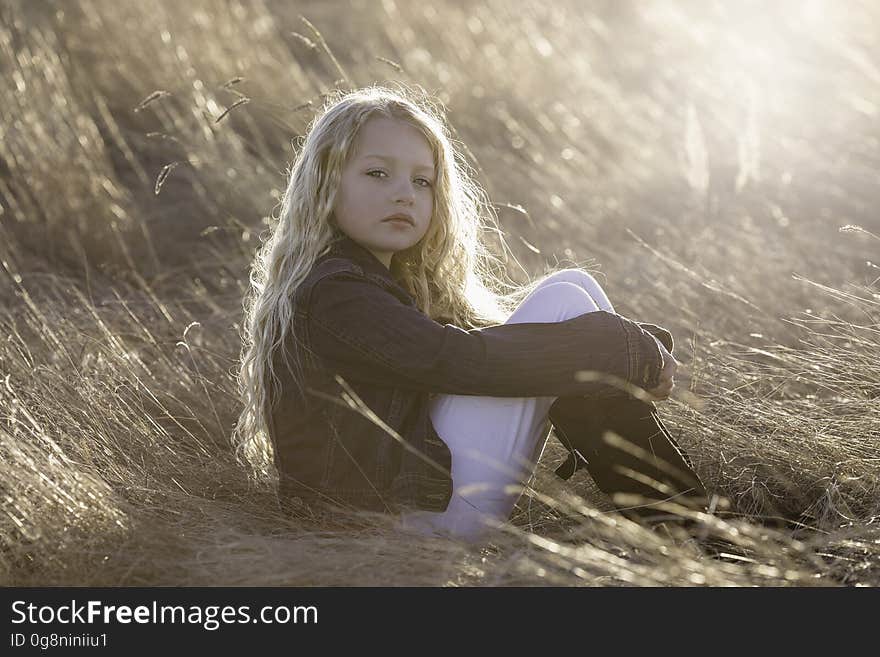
(396, 245)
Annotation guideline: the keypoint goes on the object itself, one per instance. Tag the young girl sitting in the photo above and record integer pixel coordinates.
(382, 369)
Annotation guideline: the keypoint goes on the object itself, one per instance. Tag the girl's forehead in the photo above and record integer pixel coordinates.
(382, 136)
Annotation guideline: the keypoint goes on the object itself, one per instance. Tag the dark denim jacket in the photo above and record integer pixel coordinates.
(352, 319)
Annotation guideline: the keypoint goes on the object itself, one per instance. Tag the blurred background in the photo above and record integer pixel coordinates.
(717, 163)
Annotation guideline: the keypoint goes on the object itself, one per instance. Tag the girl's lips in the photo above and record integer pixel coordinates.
(401, 216)
(398, 222)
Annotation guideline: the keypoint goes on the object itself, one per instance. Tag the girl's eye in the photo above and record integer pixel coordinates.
(378, 173)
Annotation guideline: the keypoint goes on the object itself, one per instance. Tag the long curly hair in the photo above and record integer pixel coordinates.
(450, 273)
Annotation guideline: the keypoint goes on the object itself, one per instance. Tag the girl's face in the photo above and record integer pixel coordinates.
(390, 171)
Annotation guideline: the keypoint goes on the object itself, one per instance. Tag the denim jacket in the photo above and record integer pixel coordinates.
(354, 321)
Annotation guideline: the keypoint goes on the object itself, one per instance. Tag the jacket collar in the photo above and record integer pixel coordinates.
(373, 267)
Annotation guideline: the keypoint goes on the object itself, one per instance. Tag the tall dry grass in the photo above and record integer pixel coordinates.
(707, 156)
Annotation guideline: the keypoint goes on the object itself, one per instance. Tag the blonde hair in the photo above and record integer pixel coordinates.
(449, 272)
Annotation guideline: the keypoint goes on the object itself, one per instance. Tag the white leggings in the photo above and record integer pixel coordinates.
(496, 442)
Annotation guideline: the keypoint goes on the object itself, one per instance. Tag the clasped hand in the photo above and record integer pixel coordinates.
(667, 375)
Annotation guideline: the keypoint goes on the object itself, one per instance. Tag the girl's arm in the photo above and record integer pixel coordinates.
(366, 334)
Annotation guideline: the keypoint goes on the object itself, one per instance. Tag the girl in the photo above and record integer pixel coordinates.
(382, 368)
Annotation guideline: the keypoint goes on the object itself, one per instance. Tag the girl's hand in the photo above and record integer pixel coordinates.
(667, 375)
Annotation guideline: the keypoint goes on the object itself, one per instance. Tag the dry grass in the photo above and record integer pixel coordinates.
(706, 156)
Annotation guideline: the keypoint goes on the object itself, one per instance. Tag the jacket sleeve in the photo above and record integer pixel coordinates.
(664, 336)
(364, 333)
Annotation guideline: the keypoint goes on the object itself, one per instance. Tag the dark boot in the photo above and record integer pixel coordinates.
(647, 462)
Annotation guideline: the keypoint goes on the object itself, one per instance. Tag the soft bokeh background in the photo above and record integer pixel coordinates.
(718, 163)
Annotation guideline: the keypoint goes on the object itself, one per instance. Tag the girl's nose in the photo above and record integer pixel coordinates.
(404, 192)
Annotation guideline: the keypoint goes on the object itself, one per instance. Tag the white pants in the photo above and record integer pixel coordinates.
(496, 442)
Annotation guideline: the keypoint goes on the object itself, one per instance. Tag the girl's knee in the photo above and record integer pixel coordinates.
(585, 281)
(570, 295)
(579, 277)
(554, 302)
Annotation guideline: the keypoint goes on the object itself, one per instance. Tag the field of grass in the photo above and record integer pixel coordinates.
(719, 163)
